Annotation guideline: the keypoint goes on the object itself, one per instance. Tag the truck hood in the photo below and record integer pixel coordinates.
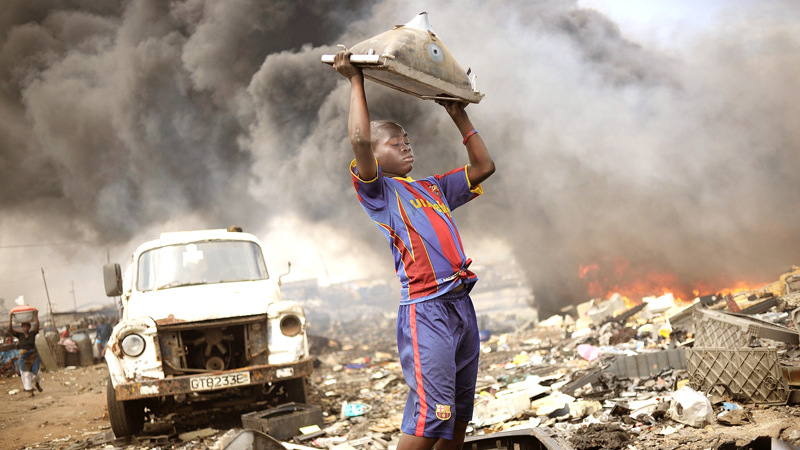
(204, 302)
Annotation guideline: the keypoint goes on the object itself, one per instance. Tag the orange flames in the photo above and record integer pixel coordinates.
(605, 278)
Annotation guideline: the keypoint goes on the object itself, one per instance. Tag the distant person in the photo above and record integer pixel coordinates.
(29, 362)
(103, 334)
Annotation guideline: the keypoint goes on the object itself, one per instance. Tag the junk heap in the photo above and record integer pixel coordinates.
(720, 373)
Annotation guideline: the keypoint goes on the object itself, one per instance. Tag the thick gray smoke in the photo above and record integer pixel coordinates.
(117, 118)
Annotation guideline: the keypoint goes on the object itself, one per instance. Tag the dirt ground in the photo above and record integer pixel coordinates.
(71, 407)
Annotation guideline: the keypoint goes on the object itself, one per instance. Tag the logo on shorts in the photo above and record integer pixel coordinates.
(443, 412)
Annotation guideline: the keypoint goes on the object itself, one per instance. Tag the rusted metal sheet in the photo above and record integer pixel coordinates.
(177, 326)
(182, 384)
(171, 348)
(169, 320)
(257, 343)
(411, 58)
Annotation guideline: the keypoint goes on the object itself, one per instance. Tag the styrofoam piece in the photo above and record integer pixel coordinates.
(508, 405)
(600, 310)
(645, 365)
(691, 407)
(657, 305)
(555, 321)
(751, 375)
(490, 412)
(411, 58)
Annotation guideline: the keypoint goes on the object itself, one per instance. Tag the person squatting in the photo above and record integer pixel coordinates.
(437, 332)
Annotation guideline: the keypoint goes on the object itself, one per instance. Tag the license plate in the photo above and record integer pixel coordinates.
(285, 372)
(211, 382)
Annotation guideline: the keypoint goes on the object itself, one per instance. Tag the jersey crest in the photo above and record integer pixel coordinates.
(443, 412)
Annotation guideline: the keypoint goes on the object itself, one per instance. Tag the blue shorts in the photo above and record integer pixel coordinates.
(439, 345)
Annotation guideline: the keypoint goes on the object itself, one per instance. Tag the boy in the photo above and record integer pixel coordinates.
(437, 332)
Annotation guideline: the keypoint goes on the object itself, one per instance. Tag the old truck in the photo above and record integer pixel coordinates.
(201, 321)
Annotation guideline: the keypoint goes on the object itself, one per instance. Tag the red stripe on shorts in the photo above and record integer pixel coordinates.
(423, 405)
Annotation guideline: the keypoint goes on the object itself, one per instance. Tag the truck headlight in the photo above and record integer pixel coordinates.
(291, 326)
(133, 345)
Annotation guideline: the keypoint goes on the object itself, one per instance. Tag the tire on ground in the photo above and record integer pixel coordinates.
(127, 418)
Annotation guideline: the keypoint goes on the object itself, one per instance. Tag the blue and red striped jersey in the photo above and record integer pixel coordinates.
(415, 216)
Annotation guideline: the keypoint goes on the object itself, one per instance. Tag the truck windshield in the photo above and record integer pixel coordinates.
(200, 263)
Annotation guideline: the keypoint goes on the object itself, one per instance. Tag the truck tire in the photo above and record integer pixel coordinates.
(127, 418)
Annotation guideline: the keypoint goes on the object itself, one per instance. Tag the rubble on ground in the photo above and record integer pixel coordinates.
(657, 375)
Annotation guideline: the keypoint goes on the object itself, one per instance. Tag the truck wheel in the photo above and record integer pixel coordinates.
(296, 390)
(127, 418)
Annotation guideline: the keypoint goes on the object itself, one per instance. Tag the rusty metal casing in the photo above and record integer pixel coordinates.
(411, 58)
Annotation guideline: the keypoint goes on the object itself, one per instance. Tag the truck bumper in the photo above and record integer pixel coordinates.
(182, 384)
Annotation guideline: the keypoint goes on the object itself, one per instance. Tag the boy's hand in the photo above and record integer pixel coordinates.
(454, 108)
(341, 62)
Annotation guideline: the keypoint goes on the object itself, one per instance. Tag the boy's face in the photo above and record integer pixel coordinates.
(392, 149)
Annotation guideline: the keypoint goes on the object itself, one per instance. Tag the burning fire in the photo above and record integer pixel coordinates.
(605, 278)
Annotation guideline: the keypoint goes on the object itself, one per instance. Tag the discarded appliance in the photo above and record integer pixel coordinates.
(746, 374)
(411, 58)
(725, 330)
(284, 421)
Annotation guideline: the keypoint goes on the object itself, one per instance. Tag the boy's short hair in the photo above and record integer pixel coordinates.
(377, 127)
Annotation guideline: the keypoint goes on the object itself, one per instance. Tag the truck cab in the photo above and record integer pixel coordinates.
(199, 314)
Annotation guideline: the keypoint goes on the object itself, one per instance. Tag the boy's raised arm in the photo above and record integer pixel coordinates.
(481, 165)
(358, 121)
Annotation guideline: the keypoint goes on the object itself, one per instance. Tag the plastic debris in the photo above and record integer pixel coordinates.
(589, 352)
(691, 407)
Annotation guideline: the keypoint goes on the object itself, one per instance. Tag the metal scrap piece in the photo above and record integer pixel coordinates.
(411, 58)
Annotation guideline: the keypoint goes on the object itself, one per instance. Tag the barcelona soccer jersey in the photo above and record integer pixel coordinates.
(415, 216)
